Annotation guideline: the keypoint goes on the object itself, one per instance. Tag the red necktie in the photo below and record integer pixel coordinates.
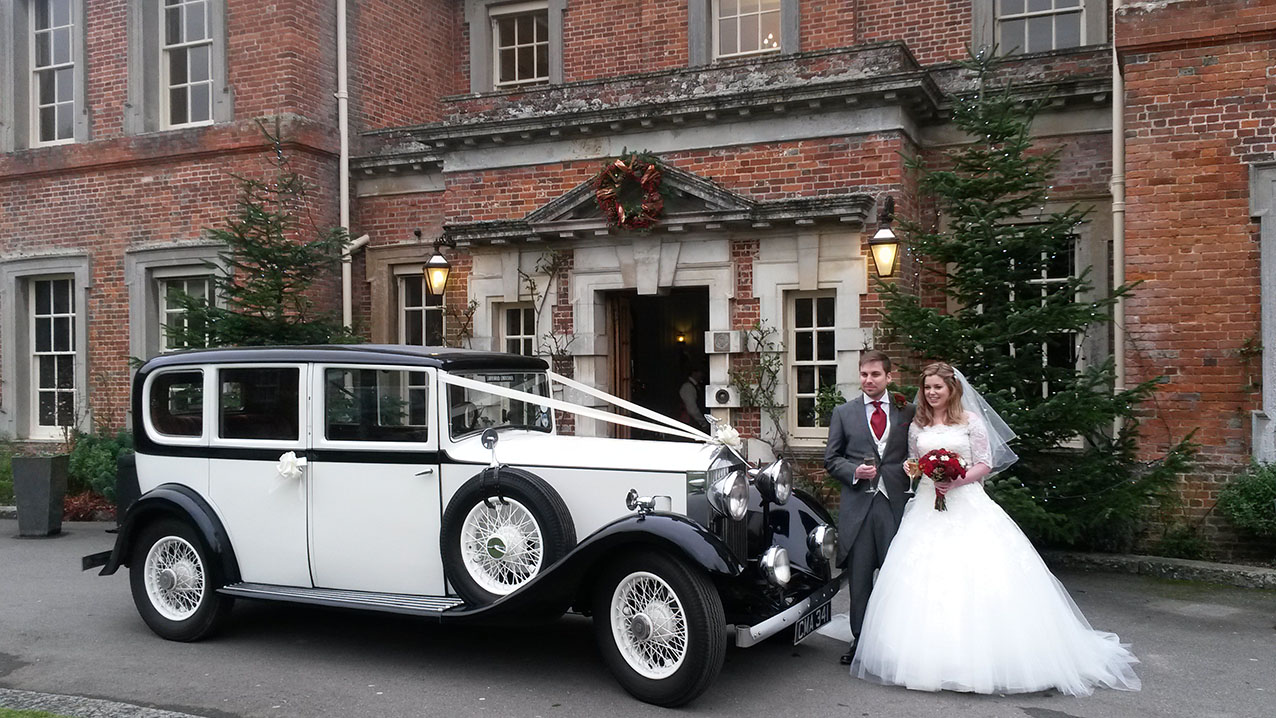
(878, 422)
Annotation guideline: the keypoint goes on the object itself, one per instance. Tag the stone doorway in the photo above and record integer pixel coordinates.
(656, 341)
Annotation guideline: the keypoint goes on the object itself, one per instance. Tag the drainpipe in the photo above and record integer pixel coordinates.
(1118, 210)
(343, 169)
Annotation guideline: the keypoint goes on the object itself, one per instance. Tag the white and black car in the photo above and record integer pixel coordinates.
(431, 482)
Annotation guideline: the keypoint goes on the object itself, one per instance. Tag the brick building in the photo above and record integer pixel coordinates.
(782, 126)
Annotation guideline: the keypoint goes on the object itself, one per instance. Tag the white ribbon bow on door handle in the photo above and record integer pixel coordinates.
(290, 466)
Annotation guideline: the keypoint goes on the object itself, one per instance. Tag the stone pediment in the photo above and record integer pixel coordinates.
(692, 202)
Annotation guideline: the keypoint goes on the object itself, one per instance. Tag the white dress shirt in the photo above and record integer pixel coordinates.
(885, 398)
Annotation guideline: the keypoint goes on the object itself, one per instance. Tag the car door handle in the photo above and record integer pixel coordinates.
(426, 471)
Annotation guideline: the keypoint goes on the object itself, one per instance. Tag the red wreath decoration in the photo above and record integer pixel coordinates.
(628, 191)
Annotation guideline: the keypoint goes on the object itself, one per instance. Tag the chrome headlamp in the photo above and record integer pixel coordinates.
(775, 482)
(729, 495)
(775, 566)
(823, 541)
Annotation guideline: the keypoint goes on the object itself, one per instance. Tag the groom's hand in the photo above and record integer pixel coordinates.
(864, 472)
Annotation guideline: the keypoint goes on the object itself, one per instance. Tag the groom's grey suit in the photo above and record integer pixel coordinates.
(867, 522)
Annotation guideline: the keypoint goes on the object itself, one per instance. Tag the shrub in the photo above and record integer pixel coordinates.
(1249, 501)
(1182, 541)
(6, 474)
(92, 463)
(86, 506)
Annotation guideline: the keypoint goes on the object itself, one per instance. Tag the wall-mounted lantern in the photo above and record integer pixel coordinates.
(885, 245)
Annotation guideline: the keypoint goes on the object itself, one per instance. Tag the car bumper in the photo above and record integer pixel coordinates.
(746, 636)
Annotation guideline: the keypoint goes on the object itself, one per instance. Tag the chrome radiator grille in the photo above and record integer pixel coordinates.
(736, 536)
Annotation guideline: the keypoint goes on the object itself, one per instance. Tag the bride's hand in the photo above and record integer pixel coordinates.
(912, 468)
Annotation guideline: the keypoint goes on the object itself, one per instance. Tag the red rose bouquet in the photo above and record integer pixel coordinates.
(942, 466)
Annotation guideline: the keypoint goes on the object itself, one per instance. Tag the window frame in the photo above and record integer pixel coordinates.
(702, 33)
(404, 273)
(501, 12)
(34, 355)
(715, 22)
(478, 16)
(74, 30)
(208, 411)
(985, 27)
(319, 409)
(504, 337)
(143, 270)
(792, 364)
(147, 106)
(17, 414)
(19, 128)
(212, 403)
(161, 278)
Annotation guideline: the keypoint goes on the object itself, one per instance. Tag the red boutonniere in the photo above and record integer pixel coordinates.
(899, 400)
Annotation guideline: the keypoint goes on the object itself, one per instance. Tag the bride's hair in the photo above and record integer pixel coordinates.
(953, 413)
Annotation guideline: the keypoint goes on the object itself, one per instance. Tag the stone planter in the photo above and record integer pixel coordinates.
(39, 486)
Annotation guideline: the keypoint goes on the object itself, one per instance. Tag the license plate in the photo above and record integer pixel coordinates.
(812, 620)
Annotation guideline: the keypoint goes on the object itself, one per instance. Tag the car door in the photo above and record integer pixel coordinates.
(261, 417)
(374, 495)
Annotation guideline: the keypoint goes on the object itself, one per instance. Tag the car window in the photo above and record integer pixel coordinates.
(376, 405)
(259, 403)
(176, 403)
(472, 410)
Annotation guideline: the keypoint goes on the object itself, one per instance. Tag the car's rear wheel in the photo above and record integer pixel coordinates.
(174, 581)
(499, 532)
(660, 627)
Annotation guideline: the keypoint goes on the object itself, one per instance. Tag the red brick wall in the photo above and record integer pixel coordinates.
(404, 58)
(936, 31)
(1199, 99)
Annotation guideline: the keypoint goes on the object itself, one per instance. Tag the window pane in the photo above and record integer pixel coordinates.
(512, 318)
(728, 8)
(542, 60)
(542, 27)
(61, 12)
(748, 6)
(434, 328)
(505, 32)
(802, 342)
(199, 63)
(42, 14)
(176, 403)
(43, 297)
(47, 372)
(1011, 7)
(173, 26)
(201, 102)
(806, 380)
(413, 325)
(48, 409)
(1040, 5)
(802, 313)
(177, 106)
(770, 5)
(824, 311)
(48, 124)
(828, 376)
(43, 335)
(526, 62)
(43, 53)
(66, 371)
(526, 32)
(62, 334)
(177, 72)
(771, 29)
(749, 33)
(412, 291)
(727, 44)
(529, 321)
(375, 405)
(825, 342)
(1012, 36)
(66, 121)
(1067, 29)
(61, 289)
(66, 408)
(507, 67)
(65, 81)
(195, 22)
(806, 412)
(1067, 3)
(62, 45)
(263, 403)
(1040, 34)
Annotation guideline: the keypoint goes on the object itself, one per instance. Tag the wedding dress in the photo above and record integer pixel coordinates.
(965, 603)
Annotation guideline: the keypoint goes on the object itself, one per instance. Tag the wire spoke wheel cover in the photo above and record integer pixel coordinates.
(501, 546)
(649, 625)
(174, 576)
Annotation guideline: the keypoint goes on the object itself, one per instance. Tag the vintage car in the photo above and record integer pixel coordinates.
(431, 482)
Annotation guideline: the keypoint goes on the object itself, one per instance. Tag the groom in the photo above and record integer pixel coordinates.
(869, 426)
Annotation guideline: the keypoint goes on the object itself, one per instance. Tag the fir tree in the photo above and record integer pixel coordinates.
(267, 269)
(990, 250)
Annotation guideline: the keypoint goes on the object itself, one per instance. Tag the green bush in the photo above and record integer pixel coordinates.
(92, 463)
(6, 476)
(1182, 541)
(1249, 501)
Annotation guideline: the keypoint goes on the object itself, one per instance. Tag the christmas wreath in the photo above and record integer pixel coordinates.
(628, 191)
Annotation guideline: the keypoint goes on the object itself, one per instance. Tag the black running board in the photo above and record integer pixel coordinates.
(433, 606)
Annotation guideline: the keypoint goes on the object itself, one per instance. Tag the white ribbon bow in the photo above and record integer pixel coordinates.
(290, 466)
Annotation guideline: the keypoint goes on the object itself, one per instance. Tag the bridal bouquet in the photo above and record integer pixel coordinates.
(940, 466)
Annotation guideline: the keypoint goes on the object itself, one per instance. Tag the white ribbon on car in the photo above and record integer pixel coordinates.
(659, 423)
(290, 466)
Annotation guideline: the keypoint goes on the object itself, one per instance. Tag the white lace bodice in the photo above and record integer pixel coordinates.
(970, 440)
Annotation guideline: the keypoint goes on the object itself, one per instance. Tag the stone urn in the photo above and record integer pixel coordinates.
(39, 487)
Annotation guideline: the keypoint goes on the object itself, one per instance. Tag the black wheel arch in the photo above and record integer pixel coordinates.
(181, 502)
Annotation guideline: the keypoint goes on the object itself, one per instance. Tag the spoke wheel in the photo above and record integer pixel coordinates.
(649, 625)
(174, 580)
(660, 627)
(174, 577)
(501, 530)
(501, 546)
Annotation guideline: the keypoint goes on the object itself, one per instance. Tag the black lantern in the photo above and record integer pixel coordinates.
(437, 268)
(885, 245)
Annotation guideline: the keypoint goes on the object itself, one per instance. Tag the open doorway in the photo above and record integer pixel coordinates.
(657, 341)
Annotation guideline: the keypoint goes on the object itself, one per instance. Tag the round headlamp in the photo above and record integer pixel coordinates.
(775, 482)
(823, 541)
(775, 565)
(729, 495)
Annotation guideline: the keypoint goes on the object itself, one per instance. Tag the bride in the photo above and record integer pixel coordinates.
(963, 602)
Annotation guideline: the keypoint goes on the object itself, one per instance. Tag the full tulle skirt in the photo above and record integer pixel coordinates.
(965, 603)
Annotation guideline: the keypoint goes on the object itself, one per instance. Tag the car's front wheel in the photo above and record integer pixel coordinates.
(174, 581)
(660, 627)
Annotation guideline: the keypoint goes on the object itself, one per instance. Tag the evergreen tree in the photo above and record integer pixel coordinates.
(1014, 335)
(267, 269)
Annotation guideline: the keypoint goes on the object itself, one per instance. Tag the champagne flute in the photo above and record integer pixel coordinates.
(872, 483)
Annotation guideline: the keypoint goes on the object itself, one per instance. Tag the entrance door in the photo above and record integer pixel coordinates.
(657, 341)
(374, 496)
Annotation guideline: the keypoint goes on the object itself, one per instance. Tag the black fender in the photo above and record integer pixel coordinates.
(789, 524)
(181, 502)
(559, 585)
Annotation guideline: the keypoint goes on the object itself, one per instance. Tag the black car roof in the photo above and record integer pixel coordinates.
(446, 358)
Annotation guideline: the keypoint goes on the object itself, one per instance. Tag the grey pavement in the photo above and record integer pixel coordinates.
(1207, 650)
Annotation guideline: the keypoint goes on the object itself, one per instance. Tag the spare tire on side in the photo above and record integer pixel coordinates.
(502, 528)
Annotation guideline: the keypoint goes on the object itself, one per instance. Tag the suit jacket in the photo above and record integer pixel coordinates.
(851, 439)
